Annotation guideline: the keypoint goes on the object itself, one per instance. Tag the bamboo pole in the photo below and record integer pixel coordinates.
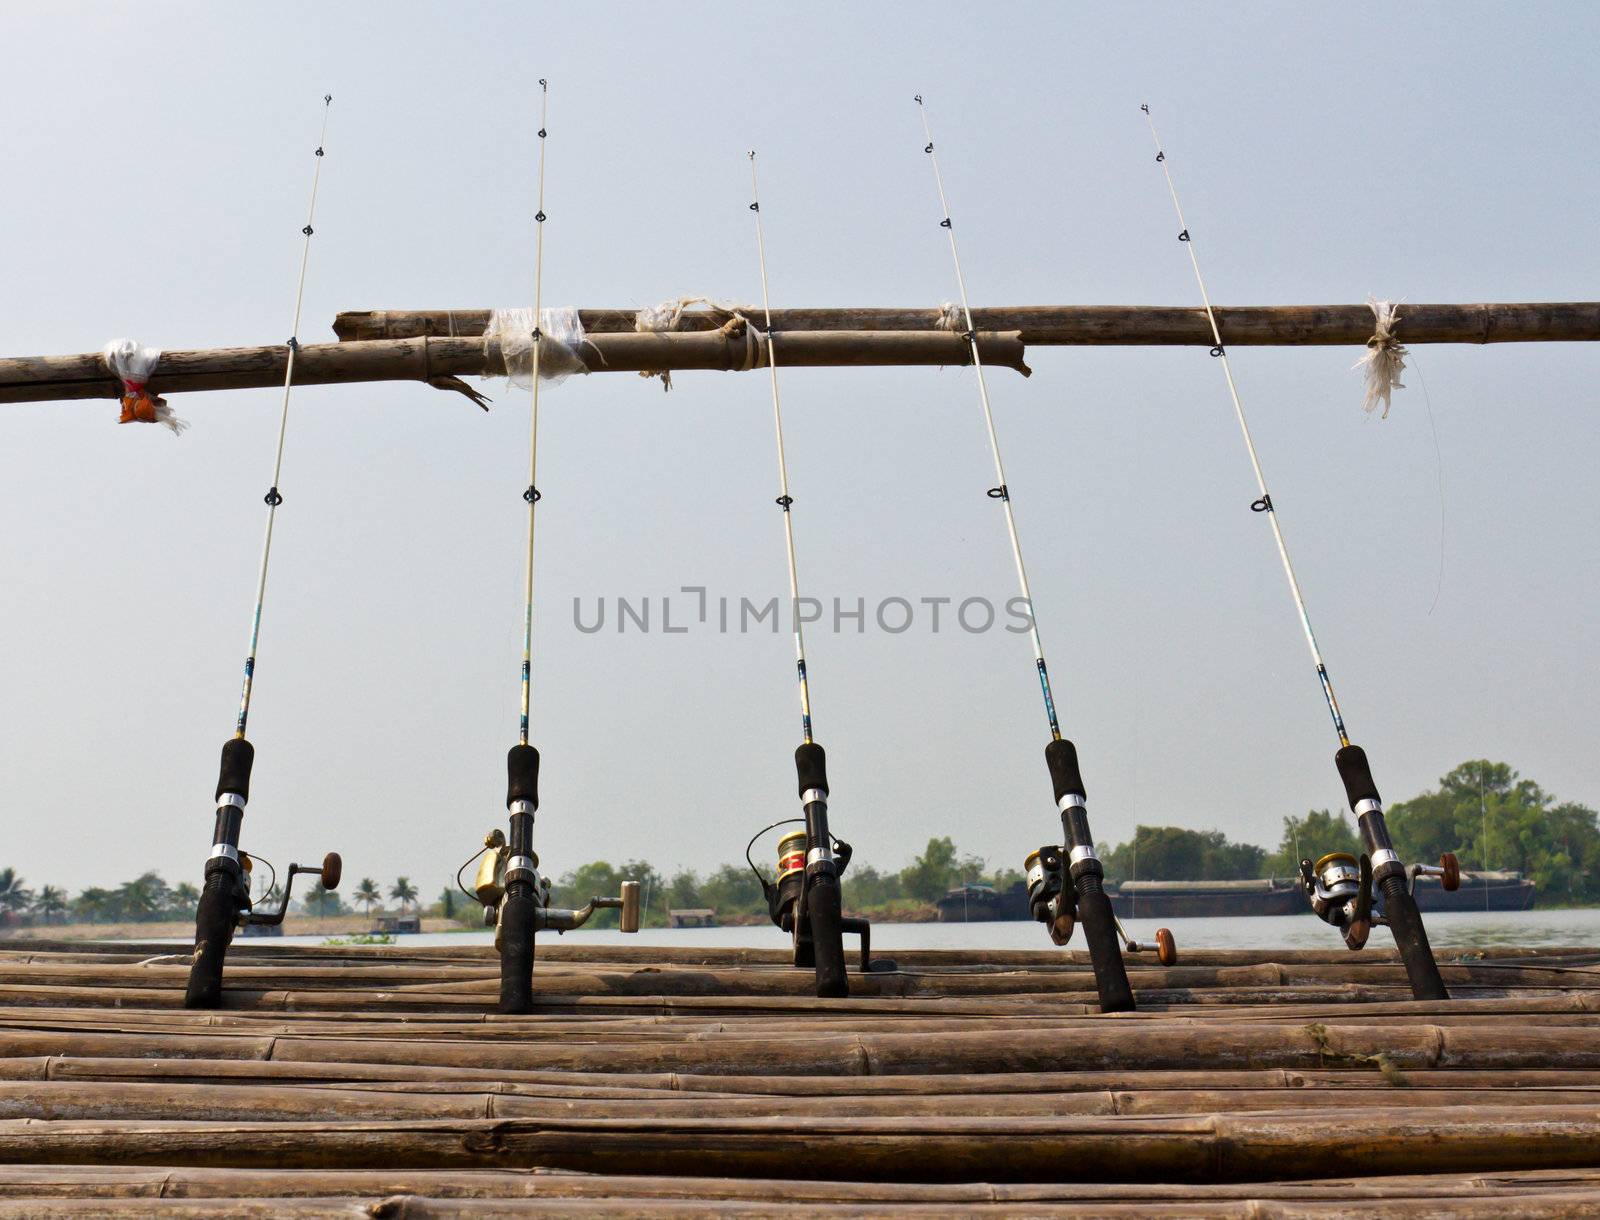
(442, 362)
(1050, 325)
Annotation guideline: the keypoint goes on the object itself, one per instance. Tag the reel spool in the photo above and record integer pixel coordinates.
(1050, 901)
(1339, 886)
(791, 876)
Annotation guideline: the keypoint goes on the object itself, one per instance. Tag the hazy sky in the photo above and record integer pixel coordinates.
(157, 162)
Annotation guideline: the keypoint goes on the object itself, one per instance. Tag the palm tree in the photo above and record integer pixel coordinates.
(185, 898)
(50, 903)
(13, 894)
(368, 893)
(145, 897)
(403, 892)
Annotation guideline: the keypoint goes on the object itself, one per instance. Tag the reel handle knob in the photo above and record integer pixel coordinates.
(1166, 947)
(1450, 871)
(332, 869)
(630, 906)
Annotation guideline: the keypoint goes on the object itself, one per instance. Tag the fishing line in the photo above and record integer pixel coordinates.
(1000, 492)
(785, 500)
(1066, 883)
(1264, 504)
(805, 901)
(531, 495)
(273, 497)
(1438, 471)
(1340, 887)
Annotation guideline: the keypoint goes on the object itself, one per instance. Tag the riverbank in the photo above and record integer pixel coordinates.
(302, 925)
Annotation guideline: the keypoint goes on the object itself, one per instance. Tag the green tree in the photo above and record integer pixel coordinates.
(403, 892)
(734, 890)
(1173, 853)
(1491, 817)
(932, 874)
(97, 905)
(1311, 837)
(683, 891)
(51, 903)
(184, 899)
(322, 901)
(865, 886)
(144, 898)
(14, 896)
(367, 893)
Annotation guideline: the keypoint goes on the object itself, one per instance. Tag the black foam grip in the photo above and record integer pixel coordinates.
(1105, 951)
(1356, 774)
(516, 948)
(1061, 756)
(827, 937)
(1411, 938)
(811, 764)
(522, 775)
(214, 919)
(238, 756)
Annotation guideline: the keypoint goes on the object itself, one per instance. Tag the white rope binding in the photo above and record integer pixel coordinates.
(668, 317)
(132, 365)
(508, 336)
(949, 318)
(1385, 359)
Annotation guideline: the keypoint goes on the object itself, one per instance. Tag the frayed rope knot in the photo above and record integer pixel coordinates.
(1385, 359)
(950, 317)
(668, 316)
(132, 365)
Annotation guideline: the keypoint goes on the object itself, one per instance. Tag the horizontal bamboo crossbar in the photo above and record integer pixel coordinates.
(442, 362)
(1051, 325)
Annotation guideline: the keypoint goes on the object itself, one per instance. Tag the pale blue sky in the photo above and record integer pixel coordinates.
(157, 164)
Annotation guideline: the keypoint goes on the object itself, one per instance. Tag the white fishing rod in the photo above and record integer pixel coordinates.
(273, 497)
(1066, 884)
(806, 894)
(225, 900)
(785, 500)
(1264, 504)
(524, 906)
(532, 495)
(1340, 887)
(1001, 491)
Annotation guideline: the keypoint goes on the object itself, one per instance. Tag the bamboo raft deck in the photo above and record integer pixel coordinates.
(380, 1082)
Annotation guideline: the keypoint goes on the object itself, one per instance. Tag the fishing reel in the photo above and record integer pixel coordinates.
(330, 872)
(1053, 903)
(489, 890)
(1339, 887)
(786, 898)
(225, 904)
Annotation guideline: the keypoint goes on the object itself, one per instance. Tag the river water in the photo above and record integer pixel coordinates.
(1452, 929)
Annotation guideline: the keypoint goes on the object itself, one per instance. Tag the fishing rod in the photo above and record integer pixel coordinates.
(1338, 885)
(515, 897)
(805, 901)
(225, 900)
(1051, 900)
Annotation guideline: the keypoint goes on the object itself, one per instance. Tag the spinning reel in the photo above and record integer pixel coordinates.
(787, 896)
(1339, 887)
(225, 901)
(489, 889)
(1054, 904)
(805, 901)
